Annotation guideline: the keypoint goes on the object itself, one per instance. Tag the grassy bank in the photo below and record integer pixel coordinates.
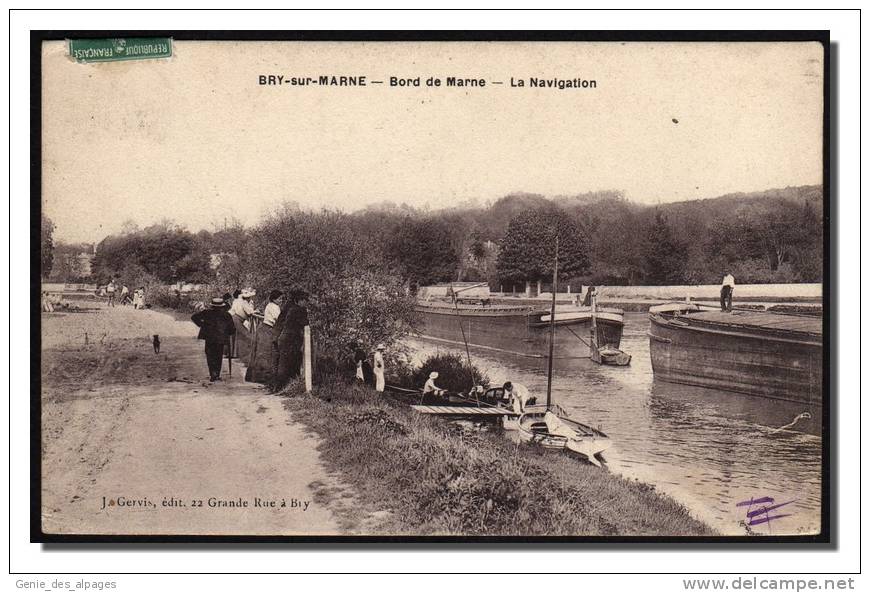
(435, 478)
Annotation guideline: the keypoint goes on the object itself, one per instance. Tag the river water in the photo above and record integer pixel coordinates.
(707, 449)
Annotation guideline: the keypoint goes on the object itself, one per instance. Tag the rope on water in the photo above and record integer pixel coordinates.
(801, 416)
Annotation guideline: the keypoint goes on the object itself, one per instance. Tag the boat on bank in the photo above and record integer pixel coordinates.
(760, 353)
(520, 329)
(552, 428)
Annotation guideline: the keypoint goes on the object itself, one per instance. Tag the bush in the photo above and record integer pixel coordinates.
(452, 371)
(353, 297)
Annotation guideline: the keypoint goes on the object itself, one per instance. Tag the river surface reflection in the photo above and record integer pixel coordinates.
(708, 449)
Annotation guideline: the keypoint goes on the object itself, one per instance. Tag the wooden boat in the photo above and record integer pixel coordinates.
(761, 353)
(553, 429)
(611, 356)
(606, 354)
(492, 397)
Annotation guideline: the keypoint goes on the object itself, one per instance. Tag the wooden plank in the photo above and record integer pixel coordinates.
(462, 411)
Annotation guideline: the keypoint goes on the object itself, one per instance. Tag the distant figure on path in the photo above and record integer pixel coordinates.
(287, 340)
(110, 293)
(727, 291)
(379, 368)
(139, 298)
(215, 327)
(47, 305)
(125, 295)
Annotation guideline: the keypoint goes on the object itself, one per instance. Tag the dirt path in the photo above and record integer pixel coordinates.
(122, 426)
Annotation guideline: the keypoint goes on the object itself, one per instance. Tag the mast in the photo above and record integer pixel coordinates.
(552, 324)
(462, 329)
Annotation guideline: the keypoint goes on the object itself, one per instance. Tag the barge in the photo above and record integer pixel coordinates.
(757, 353)
(520, 329)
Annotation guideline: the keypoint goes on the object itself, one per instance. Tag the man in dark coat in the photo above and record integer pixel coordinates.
(287, 340)
(215, 327)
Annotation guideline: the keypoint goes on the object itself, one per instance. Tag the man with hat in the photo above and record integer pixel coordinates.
(215, 327)
(430, 386)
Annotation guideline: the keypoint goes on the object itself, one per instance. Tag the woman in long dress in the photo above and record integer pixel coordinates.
(379, 368)
(242, 313)
(260, 357)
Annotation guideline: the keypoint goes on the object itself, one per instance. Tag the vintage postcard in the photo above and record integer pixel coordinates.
(447, 286)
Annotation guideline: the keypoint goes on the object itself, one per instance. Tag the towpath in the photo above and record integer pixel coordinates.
(140, 443)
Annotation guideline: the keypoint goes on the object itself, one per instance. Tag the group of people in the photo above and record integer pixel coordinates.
(271, 345)
(516, 394)
(118, 292)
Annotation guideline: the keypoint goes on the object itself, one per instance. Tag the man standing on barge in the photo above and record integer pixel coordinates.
(727, 292)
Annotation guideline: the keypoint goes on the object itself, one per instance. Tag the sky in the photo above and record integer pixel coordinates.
(196, 139)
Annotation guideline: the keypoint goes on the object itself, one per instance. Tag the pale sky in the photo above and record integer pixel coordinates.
(196, 139)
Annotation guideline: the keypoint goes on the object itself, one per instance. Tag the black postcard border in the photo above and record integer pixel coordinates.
(824, 540)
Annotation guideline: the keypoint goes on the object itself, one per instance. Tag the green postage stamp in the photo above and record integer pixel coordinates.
(112, 50)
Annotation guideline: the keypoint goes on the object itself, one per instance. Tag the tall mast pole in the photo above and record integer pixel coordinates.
(553, 323)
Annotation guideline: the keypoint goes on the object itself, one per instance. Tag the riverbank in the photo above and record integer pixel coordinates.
(434, 478)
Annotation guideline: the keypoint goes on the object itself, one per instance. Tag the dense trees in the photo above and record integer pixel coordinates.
(664, 256)
(528, 248)
(771, 236)
(424, 251)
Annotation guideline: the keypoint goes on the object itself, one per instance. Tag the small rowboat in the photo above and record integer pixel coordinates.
(609, 355)
(553, 429)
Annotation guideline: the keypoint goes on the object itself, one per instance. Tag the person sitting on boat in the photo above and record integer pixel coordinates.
(430, 386)
(518, 396)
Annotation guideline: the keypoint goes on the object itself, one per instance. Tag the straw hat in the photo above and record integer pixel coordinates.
(433, 375)
(218, 302)
(381, 347)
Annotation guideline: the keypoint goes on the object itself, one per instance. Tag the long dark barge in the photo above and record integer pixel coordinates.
(520, 329)
(758, 353)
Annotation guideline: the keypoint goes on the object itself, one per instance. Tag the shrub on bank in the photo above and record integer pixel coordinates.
(453, 371)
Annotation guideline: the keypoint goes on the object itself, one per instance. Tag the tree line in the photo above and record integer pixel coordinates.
(772, 236)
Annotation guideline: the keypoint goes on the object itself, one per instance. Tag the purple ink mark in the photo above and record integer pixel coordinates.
(760, 515)
(767, 519)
